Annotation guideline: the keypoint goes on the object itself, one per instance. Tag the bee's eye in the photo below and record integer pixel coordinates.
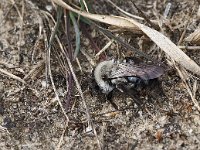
(133, 79)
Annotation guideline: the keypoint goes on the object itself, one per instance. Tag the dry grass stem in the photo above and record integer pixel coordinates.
(104, 48)
(196, 104)
(90, 124)
(4, 72)
(32, 73)
(162, 41)
(194, 37)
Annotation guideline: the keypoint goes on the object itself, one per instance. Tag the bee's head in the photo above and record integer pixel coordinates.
(101, 74)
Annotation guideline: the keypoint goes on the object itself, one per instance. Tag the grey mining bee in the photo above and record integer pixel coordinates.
(125, 76)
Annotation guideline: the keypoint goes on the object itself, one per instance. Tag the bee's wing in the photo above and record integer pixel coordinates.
(145, 72)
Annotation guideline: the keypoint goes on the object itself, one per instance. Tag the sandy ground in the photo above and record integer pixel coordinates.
(31, 117)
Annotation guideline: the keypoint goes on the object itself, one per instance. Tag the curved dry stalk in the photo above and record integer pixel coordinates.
(104, 48)
(48, 72)
(124, 12)
(189, 47)
(162, 41)
(61, 138)
(53, 85)
(90, 124)
(192, 94)
(21, 34)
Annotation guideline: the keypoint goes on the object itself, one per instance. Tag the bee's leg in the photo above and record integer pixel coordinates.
(93, 88)
(109, 98)
(131, 93)
(155, 90)
(139, 103)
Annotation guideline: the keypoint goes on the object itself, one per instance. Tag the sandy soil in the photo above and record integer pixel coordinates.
(30, 115)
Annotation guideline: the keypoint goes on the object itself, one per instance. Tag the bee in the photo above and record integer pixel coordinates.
(126, 76)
